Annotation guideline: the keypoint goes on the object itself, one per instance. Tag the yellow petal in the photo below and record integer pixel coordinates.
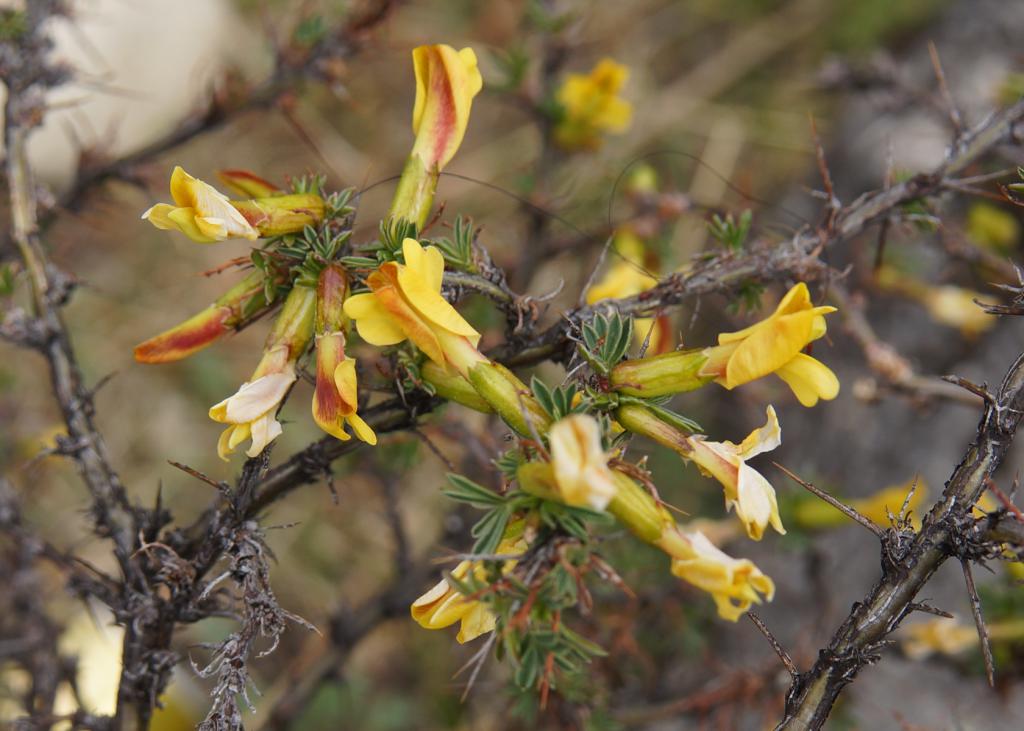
(345, 382)
(756, 504)
(446, 82)
(769, 347)
(158, 216)
(420, 283)
(763, 439)
(478, 621)
(264, 430)
(181, 187)
(362, 429)
(809, 379)
(223, 443)
(255, 399)
(184, 219)
(373, 322)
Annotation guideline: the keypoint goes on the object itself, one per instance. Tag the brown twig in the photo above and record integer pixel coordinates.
(842, 507)
(979, 622)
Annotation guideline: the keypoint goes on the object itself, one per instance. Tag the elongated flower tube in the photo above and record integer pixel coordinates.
(336, 397)
(444, 604)
(578, 473)
(446, 82)
(405, 302)
(592, 107)
(200, 211)
(205, 328)
(250, 413)
(282, 214)
(773, 346)
(745, 488)
(734, 584)
(661, 375)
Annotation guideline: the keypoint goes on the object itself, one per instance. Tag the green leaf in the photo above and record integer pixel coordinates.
(465, 490)
(543, 394)
(490, 529)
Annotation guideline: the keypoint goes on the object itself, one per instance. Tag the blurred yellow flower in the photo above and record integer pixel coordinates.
(591, 106)
(815, 513)
(774, 345)
(444, 605)
(336, 396)
(250, 412)
(200, 211)
(580, 463)
(955, 307)
(947, 304)
(745, 488)
(938, 636)
(405, 302)
(626, 277)
(992, 227)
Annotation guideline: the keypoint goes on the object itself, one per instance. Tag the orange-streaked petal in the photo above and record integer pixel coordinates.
(183, 340)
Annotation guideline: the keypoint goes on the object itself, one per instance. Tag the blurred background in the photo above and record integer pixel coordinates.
(722, 94)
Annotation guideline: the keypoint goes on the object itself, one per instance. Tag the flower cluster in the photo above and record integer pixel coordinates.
(568, 470)
(590, 106)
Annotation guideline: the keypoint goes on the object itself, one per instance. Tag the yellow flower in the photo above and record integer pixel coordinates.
(942, 636)
(444, 604)
(201, 212)
(992, 227)
(773, 346)
(627, 277)
(250, 411)
(745, 488)
(735, 584)
(405, 302)
(955, 307)
(591, 106)
(947, 304)
(580, 463)
(336, 396)
(446, 82)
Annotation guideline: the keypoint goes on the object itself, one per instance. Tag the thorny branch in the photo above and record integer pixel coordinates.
(948, 530)
(179, 559)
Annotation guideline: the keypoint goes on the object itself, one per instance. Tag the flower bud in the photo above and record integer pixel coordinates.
(205, 328)
(660, 375)
(451, 386)
(247, 184)
(282, 214)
